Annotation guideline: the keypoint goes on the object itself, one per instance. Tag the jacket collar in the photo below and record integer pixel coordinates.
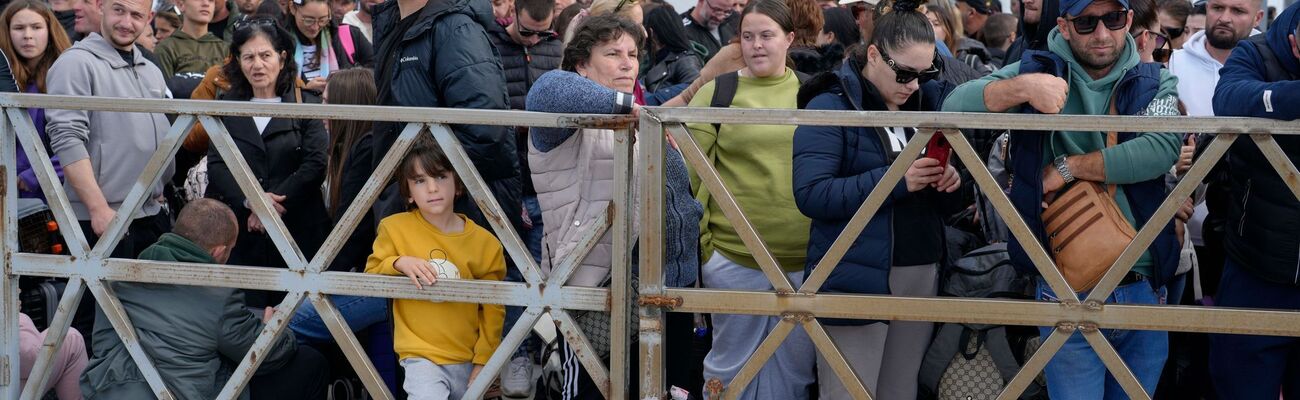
(430, 13)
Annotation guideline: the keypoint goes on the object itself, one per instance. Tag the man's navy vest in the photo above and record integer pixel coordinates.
(1136, 89)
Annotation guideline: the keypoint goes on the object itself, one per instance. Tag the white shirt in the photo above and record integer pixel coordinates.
(262, 121)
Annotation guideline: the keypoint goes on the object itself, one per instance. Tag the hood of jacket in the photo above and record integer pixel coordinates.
(173, 247)
(1278, 41)
(99, 47)
(479, 11)
(1034, 37)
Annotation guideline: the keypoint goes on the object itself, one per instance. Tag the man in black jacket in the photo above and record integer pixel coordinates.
(1260, 79)
(436, 53)
(529, 47)
(709, 25)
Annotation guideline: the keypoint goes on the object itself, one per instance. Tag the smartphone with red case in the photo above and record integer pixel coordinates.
(938, 148)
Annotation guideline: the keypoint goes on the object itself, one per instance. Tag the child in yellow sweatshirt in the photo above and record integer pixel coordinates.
(441, 345)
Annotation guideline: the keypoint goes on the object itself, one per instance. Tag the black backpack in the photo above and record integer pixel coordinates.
(974, 361)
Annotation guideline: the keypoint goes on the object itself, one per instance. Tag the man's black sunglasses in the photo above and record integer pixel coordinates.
(525, 32)
(1114, 20)
(905, 76)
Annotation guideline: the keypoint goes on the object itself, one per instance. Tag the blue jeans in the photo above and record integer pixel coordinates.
(1076, 372)
(359, 312)
(533, 239)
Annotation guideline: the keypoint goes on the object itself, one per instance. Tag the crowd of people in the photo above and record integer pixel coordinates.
(1233, 243)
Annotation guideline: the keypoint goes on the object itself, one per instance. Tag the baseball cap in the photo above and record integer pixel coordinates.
(1075, 7)
(986, 7)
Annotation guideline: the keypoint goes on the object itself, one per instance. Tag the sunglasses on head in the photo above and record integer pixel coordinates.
(525, 32)
(905, 76)
(1114, 20)
(1173, 32)
(247, 21)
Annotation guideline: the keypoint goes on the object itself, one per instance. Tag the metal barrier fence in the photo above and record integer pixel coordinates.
(88, 267)
(803, 306)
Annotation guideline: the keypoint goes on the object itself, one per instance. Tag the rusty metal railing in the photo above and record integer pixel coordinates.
(804, 306)
(89, 267)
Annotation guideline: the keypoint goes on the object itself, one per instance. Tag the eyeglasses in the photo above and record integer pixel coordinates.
(315, 21)
(620, 5)
(905, 76)
(1114, 20)
(1173, 32)
(525, 32)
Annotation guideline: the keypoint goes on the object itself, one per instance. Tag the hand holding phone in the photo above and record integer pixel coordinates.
(938, 148)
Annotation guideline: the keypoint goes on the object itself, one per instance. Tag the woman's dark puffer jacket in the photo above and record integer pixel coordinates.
(675, 68)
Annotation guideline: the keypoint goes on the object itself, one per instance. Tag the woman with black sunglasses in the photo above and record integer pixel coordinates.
(1152, 45)
(835, 168)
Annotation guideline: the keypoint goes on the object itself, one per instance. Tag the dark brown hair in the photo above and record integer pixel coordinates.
(427, 157)
(353, 86)
(807, 18)
(239, 86)
(594, 31)
(778, 11)
(208, 223)
(58, 42)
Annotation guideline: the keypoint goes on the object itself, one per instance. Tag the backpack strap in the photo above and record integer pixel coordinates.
(345, 37)
(724, 90)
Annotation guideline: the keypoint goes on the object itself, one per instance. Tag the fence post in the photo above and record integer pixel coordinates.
(651, 331)
(9, 381)
(620, 290)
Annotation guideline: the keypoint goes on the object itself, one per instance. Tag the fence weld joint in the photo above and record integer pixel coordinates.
(661, 301)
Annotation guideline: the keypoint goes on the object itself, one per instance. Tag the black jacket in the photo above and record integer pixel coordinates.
(698, 33)
(815, 60)
(670, 69)
(69, 21)
(288, 158)
(523, 65)
(445, 59)
(1263, 215)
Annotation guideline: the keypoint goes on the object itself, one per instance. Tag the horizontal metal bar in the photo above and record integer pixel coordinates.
(993, 311)
(318, 111)
(951, 120)
(345, 283)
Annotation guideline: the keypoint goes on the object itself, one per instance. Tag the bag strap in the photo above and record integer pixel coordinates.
(345, 37)
(297, 94)
(1112, 139)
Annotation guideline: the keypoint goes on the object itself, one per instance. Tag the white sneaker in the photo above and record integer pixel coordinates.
(517, 380)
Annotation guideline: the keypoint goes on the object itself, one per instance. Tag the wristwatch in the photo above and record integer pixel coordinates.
(1063, 168)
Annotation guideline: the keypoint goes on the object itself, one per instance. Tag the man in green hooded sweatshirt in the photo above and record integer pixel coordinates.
(194, 335)
(1091, 68)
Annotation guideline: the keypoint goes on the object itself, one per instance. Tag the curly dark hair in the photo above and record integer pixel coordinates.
(280, 40)
(594, 31)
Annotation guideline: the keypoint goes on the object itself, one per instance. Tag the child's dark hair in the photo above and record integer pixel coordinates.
(426, 157)
(901, 27)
